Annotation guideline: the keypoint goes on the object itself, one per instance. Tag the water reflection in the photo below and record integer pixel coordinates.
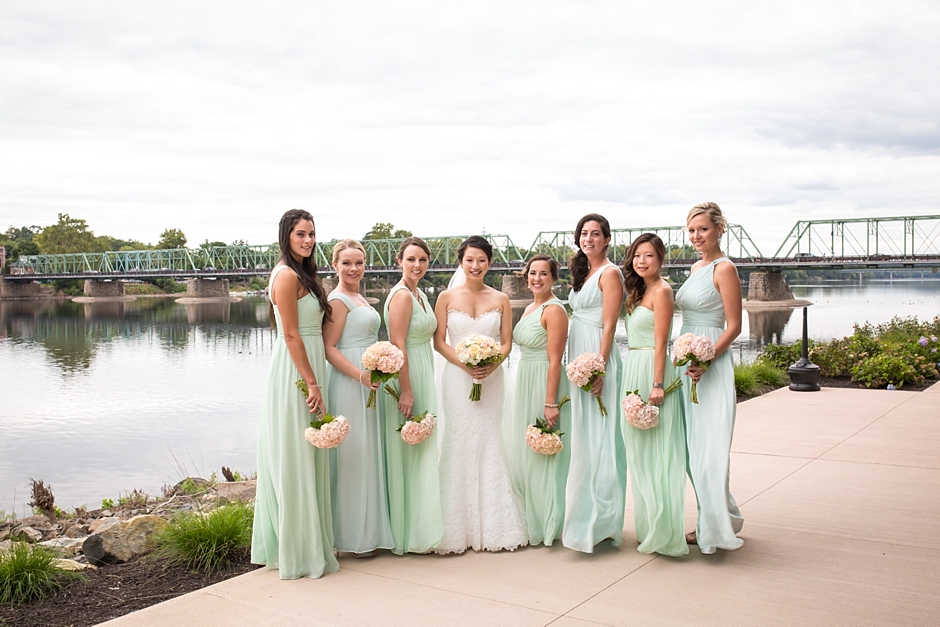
(766, 326)
(208, 312)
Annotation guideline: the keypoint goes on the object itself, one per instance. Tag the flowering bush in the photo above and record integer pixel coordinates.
(383, 360)
(584, 371)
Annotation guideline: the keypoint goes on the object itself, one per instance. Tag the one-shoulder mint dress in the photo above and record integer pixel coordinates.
(293, 525)
(597, 475)
(540, 478)
(357, 466)
(656, 456)
(414, 490)
(710, 423)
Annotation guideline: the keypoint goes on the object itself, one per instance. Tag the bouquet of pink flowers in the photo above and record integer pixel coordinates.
(328, 432)
(642, 415)
(542, 438)
(478, 350)
(583, 372)
(417, 429)
(696, 349)
(383, 360)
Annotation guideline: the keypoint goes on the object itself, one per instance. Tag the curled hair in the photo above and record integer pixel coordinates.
(552, 266)
(579, 265)
(475, 241)
(413, 241)
(346, 244)
(306, 269)
(714, 214)
(633, 283)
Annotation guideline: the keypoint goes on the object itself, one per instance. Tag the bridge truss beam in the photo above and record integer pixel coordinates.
(902, 237)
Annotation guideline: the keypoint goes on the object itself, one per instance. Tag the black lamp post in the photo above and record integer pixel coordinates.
(804, 374)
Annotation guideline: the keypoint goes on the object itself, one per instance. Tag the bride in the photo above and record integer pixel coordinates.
(481, 510)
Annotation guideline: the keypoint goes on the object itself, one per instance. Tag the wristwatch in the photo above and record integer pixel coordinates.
(657, 384)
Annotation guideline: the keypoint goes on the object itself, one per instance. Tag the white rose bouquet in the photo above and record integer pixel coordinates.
(478, 350)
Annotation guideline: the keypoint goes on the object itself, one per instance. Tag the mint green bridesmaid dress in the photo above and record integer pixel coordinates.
(293, 525)
(414, 492)
(656, 457)
(710, 423)
(357, 467)
(597, 475)
(540, 478)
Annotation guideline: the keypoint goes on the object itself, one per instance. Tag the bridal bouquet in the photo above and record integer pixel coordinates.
(417, 429)
(328, 432)
(642, 415)
(583, 372)
(383, 360)
(542, 438)
(478, 350)
(698, 350)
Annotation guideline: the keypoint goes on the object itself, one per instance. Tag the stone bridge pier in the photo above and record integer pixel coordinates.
(768, 286)
(207, 288)
(515, 287)
(18, 289)
(96, 288)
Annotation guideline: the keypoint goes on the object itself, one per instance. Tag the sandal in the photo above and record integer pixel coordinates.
(366, 555)
(690, 538)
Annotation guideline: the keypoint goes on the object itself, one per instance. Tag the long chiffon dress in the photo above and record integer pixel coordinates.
(542, 477)
(357, 467)
(293, 525)
(656, 456)
(597, 476)
(710, 423)
(481, 510)
(414, 492)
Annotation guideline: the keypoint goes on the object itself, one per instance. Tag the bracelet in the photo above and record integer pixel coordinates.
(551, 405)
(360, 377)
(656, 384)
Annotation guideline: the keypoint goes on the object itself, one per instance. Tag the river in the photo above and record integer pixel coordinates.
(96, 399)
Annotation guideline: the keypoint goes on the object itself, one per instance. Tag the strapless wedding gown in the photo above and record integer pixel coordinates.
(481, 510)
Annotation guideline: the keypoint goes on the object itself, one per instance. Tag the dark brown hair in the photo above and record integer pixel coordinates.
(552, 266)
(579, 265)
(475, 241)
(306, 269)
(633, 283)
(413, 241)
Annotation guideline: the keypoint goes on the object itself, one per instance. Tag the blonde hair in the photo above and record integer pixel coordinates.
(344, 244)
(714, 214)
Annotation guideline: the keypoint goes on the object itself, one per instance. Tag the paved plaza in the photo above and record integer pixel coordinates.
(840, 491)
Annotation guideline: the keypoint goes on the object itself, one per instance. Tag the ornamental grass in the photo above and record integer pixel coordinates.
(209, 542)
(30, 573)
(756, 378)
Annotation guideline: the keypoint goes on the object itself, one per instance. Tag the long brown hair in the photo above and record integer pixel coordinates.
(305, 269)
(633, 283)
(579, 264)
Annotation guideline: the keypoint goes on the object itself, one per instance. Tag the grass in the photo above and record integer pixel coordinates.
(757, 377)
(207, 543)
(29, 573)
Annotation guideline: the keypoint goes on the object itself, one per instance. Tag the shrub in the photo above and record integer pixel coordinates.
(210, 542)
(29, 573)
(881, 370)
(755, 378)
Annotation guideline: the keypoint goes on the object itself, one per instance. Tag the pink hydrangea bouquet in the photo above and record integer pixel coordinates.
(542, 438)
(695, 349)
(383, 360)
(328, 432)
(417, 429)
(478, 350)
(583, 372)
(643, 415)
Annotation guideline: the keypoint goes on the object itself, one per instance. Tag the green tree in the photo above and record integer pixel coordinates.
(386, 230)
(171, 238)
(113, 243)
(69, 235)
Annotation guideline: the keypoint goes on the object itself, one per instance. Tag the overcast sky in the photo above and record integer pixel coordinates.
(447, 118)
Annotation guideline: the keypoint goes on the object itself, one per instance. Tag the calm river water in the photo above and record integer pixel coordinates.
(96, 399)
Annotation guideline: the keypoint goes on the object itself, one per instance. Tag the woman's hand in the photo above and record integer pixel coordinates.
(365, 378)
(656, 397)
(315, 399)
(551, 416)
(406, 403)
(695, 372)
(483, 371)
(597, 388)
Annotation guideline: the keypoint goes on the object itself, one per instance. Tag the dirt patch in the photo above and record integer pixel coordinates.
(114, 591)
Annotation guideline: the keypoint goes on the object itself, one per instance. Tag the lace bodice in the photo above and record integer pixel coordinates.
(460, 325)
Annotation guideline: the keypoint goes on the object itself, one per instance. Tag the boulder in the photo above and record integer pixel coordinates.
(122, 541)
(237, 490)
(5, 532)
(72, 565)
(64, 547)
(29, 534)
(102, 523)
(78, 531)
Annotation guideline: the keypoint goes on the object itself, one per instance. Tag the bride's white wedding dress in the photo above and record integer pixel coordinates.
(481, 510)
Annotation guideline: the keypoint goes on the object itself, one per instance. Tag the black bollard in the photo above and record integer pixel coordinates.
(804, 374)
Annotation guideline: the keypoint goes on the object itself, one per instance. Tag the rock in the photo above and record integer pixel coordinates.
(33, 521)
(123, 541)
(5, 545)
(237, 490)
(102, 523)
(64, 547)
(196, 485)
(29, 534)
(78, 531)
(72, 565)
(5, 532)
(107, 513)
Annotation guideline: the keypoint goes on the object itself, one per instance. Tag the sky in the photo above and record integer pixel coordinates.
(450, 118)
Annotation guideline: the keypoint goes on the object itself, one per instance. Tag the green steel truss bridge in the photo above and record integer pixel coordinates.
(850, 244)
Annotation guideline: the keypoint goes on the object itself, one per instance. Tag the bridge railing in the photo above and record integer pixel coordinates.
(903, 236)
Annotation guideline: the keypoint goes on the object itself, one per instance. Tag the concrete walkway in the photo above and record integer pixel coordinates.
(840, 491)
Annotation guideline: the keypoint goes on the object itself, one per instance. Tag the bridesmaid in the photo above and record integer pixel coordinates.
(540, 383)
(597, 477)
(710, 301)
(656, 456)
(293, 526)
(357, 468)
(414, 493)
